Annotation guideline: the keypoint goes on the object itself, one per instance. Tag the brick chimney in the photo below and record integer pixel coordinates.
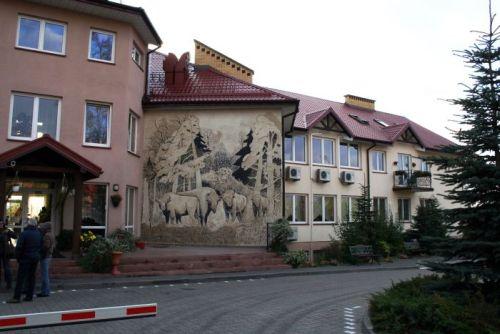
(359, 102)
(176, 71)
(205, 55)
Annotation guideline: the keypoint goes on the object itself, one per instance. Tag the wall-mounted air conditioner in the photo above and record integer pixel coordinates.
(294, 236)
(324, 175)
(293, 173)
(347, 177)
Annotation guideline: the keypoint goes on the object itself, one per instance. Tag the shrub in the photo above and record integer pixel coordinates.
(98, 257)
(64, 241)
(434, 305)
(280, 231)
(86, 239)
(124, 241)
(428, 223)
(329, 255)
(296, 258)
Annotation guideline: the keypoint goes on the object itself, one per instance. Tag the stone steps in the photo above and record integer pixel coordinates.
(175, 265)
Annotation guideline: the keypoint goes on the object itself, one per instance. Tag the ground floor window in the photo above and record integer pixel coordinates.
(131, 195)
(95, 208)
(380, 207)
(404, 210)
(324, 209)
(295, 208)
(349, 207)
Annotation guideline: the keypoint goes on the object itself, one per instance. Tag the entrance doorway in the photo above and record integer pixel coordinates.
(32, 200)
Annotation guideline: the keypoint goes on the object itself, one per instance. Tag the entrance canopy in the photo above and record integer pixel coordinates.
(46, 158)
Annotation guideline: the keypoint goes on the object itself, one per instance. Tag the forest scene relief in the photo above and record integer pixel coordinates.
(212, 179)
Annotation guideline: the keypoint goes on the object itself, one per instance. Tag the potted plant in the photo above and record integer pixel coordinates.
(116, 199)
(400, 172)
(140, 244)
(116, 255)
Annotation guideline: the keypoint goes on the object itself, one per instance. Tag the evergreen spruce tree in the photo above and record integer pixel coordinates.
(472, 171)
(428, 223)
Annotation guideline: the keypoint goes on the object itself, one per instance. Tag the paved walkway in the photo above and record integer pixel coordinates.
(327, 303)
(110, 281)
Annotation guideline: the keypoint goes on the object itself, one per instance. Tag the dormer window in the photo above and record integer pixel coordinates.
(381, 122)
(359, 119)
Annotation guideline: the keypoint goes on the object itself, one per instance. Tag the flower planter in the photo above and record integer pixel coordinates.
(115, 261)
(116, 199)
(140, 244)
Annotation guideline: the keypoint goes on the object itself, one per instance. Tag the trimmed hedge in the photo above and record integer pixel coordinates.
(431, 304)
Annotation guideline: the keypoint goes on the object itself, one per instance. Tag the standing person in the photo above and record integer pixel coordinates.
(28, 249)
(5, 236)
(45, 258)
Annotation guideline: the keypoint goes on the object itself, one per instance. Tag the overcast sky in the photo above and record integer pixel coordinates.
(398, 52)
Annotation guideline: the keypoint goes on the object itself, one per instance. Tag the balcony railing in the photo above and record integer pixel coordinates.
(412, 180)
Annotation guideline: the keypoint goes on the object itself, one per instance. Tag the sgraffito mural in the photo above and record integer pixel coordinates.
(211, 178)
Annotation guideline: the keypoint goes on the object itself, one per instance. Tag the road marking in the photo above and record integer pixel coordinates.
(157, 286)
(141, 287)
(125, 287)
(91, 289)
(424, 268)
(226, 281)
(73, 290)
(349, 332)
(171, 285)
(357, 306)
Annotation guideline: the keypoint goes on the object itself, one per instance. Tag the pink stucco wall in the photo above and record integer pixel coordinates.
(75, 79)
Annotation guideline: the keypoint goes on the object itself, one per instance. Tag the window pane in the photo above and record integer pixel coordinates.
(353, 155)
(328, 151)
(47, 117)
(344, 159)
(288, 148)
(53, 37)
(289, 207)
(300, 208)
(94, 205)
(381, 161)
(132, 126)
(22, 116)
(400, 209)
(318, 208)
(300, 148)
(97, 118)
(29, 32)
(406, 203)
(375, 161)
(329, 209)
(101, 46)
(130, 207)
(317, 151)
(345, 208)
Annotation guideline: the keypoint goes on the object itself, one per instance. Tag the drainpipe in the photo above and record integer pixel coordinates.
(368, 167)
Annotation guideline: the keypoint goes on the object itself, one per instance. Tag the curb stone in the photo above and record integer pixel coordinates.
(165, 280)
(366, 324)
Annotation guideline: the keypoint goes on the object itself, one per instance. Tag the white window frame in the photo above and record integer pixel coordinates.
(322, 163)
(106, 207)
(108, 144)
(323, 209)
(41, 35)
(424, 166)
(89, 54)
(137, 50)
(403, 213)
(132, 116)
(350, 198)
(294, 196)
(293, 150)
(384, 163)
(34, 120)
(349, 156)
(128, 191)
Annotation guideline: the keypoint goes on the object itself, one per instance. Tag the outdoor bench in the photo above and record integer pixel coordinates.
(362, 252)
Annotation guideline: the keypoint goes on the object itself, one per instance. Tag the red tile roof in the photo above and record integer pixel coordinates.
(87, 167)
(205, 85)
(313, 109)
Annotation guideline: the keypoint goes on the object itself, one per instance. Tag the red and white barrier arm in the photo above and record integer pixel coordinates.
(76, 316)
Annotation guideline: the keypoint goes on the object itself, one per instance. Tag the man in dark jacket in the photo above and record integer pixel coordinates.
(28, 249)
(5, 236)
(46, 256)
